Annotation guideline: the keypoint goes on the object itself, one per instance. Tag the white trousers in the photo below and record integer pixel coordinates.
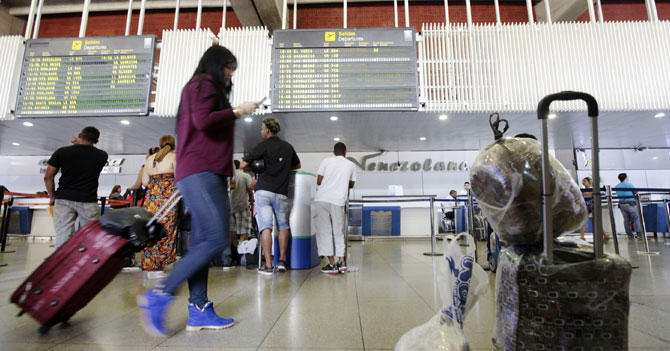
(329, 220)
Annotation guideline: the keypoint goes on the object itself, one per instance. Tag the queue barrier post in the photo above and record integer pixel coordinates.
(471, 220)
(2, 224)
(610, 207)
(5, 225)
(432, 230)
(643, 228)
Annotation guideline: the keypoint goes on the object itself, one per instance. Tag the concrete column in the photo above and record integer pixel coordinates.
(10, 25)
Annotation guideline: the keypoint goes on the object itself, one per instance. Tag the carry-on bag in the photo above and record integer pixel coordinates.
(564, 297)
(78, 270)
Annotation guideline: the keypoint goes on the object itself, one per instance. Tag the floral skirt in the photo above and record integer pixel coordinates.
(159, 190)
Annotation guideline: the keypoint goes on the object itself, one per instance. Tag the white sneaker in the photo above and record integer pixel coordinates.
(155, 274)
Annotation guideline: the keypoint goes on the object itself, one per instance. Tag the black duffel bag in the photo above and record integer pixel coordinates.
(131, 223)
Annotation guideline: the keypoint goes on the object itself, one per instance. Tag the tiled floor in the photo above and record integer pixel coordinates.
(306, 310)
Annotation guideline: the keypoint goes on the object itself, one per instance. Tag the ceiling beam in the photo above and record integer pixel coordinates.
(246, 12)
(270, 13)
(561, 10)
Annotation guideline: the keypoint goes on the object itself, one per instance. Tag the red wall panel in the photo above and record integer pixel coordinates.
(328, 16)
(114, 23)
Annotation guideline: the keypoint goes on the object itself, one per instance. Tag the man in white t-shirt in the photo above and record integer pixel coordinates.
(335, 177)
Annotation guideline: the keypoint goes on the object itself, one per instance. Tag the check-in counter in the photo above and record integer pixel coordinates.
(302, 251)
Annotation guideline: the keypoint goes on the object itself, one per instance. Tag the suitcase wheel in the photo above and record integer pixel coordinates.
(44, 329)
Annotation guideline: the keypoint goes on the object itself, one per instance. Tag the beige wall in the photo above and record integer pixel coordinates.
(10, 25)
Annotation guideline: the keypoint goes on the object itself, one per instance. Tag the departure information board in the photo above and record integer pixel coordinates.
(355, 69)
(97, 76)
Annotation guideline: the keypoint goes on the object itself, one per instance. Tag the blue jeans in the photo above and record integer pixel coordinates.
(206, 196)
(629, 213)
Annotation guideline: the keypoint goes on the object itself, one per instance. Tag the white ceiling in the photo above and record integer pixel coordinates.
(361, 131)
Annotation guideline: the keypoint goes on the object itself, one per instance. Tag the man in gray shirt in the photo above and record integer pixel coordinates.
(241, 196)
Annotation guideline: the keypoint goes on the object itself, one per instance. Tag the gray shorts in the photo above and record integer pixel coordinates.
(240, 222)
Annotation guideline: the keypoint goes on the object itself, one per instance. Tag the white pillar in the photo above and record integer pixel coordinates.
(129, 16)
(84, 19)
(406, 13)
(225, 11)
(38, 19)
(345, 14)
(395, 12)
(547, 11)
(198, 19)
(31, 16)
(529, 7)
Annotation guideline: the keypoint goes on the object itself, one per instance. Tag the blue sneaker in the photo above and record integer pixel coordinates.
(154, 304)
(206, 318)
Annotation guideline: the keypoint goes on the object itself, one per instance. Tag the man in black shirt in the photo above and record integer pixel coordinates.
(77, 196)
(271, 193)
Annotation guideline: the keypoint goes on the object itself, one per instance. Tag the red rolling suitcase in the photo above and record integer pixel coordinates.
(77, 271)
(71, 276)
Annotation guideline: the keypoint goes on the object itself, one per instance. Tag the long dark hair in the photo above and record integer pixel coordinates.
(212, 63)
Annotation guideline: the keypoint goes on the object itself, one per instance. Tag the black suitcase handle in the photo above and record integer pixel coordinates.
(543, 106)
(547, 195)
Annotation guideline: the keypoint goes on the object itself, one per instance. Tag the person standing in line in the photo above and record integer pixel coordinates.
(241, 195)
(336, 175)
(158, 178)
(588, 196)
(449, 209)
(627, 206)
(205, 134)
(466, 188)
(272, 190)
(80, 165)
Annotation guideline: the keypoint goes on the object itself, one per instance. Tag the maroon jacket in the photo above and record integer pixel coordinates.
(205, 134)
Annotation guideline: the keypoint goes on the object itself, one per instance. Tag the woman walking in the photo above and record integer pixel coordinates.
(205, 134)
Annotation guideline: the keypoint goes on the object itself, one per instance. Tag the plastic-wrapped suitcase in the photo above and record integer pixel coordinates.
(78, 270)
(563, 298)
(576, 303)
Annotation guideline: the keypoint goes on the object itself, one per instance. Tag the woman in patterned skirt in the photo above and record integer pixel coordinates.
(158, 177)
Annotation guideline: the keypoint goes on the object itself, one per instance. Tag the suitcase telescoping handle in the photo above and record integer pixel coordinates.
(172, 201)
(547, 195)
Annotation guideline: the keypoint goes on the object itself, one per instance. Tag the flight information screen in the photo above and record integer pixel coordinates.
(97, 76)
(353, 69)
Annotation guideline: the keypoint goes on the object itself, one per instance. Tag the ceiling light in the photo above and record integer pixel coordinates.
(443, 117)
(334, 118)
(27, 124)
(336, 139)
(422, 138)
(248, 119)
(659, 115)
(655, 158)
(552, 115)
(125, 122)
(16, 144)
